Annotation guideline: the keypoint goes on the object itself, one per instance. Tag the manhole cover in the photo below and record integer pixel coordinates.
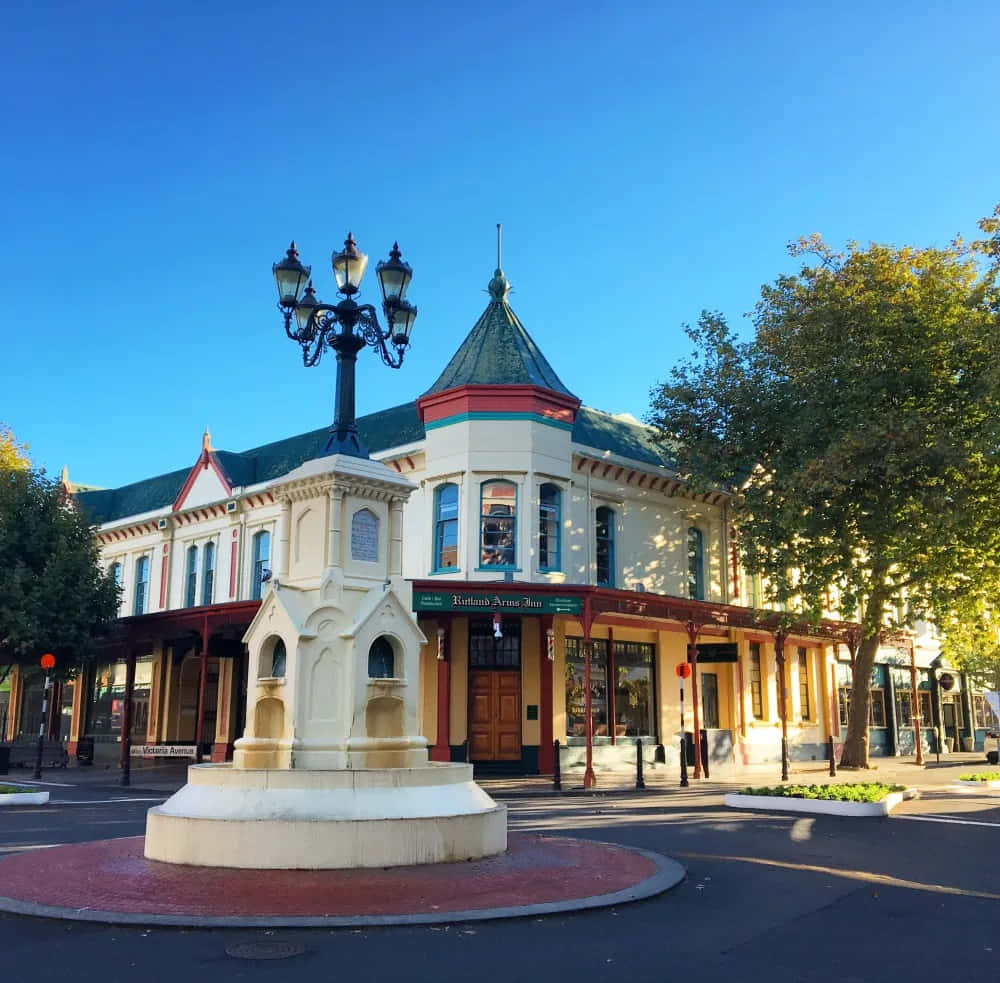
(265, 950)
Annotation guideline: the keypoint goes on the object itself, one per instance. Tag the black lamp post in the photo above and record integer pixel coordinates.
(320, 326)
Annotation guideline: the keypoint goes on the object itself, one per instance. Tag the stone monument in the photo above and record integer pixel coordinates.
(331, 771)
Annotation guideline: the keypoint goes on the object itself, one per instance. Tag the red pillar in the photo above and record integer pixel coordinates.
(126, 746)
(199, 726)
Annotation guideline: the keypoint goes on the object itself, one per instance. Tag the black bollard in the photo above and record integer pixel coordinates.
(833, 759)
(640, 782)
(556, 775)
(704, 751)
(684, 763)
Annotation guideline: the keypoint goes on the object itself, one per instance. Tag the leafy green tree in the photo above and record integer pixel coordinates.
(54, 596)
(859, 430)
(972, 641)
(12, 454)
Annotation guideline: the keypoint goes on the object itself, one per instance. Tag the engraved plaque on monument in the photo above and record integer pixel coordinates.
(364, 536)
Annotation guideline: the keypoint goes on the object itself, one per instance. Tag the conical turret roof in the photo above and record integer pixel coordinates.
(498, 351)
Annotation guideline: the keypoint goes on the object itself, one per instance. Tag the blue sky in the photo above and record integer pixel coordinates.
(647, 160)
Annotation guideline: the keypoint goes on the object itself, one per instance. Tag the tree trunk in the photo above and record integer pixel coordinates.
(855, 754)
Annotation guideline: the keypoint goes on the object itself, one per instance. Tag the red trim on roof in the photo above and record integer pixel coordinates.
(498, 399)
(206, 459)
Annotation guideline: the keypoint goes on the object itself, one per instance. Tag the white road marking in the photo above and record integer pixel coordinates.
(947, 819)
(11, 780)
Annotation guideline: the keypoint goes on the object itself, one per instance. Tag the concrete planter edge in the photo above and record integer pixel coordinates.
(980, 785)
(823, 807)
(23, 798)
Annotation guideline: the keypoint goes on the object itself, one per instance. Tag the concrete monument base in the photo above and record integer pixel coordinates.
(309, 819)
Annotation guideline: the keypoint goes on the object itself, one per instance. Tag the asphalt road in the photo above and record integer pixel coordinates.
(769, 897)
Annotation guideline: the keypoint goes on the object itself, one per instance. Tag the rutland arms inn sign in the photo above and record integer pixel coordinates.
(468, 602)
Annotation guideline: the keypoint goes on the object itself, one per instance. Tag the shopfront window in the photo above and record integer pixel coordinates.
(630, 704)
(709, 699)
(984, 716)
(107, 699)
(804, 707)
(756, 683)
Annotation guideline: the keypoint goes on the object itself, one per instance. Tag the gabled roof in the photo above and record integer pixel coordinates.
(393, 427)
(498, 351)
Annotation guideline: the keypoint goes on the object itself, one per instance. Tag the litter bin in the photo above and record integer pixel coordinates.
(4, 759)
(85, 751)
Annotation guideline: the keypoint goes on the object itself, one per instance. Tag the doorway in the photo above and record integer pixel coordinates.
(494, 691)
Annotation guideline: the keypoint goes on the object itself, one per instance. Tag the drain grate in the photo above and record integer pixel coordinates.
(265, 950)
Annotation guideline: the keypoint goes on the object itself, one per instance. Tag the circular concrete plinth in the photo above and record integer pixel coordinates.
(111, 881)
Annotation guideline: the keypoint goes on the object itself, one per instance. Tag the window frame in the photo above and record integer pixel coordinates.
(441, 524)
(501, 519)
(805, 704)
(545, 519)
(208, 574)
(609, 540)
(259, 563)
(140, 602)
(191, 576)
(756, 684)
(696, 564)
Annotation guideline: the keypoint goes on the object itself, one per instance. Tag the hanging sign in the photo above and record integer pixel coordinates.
(508, 603)
(164, 751)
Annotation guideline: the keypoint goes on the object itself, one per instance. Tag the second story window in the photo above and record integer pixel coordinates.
(139, 605)
(548, 528)
(208, 574)
(116, 574)
(497, 524)
(446, 528)
(261, 558)
(191, 577)
(696, 565)
(605, 529)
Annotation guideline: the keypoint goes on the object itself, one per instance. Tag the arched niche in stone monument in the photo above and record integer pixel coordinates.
(381, 659)
(273, 656)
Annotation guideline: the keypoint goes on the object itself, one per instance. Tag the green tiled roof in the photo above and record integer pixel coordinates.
(388, 428)
(604, 432)
(498, 351)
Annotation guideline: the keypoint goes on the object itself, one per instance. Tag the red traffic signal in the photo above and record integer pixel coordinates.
(683, 670)
(48, 661)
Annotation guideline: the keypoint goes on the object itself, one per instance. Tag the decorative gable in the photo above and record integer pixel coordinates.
(206, 482)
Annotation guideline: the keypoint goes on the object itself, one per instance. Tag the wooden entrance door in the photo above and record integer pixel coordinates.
(495, 691)
(494, 715)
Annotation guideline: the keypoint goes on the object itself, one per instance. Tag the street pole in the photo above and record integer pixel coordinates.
(41, 729)
(48, 662)
(682, 671)
(779, 659)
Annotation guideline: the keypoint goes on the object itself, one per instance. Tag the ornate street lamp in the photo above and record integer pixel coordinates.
(319, 326)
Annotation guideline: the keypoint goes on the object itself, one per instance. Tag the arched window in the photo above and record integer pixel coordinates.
(446, 528)
(115, 572)
(549, 507)
(278, 656)
(381, 659)
(261, 557)
(208, 574)
(605, 534)
(141, 585)
(498, 524)
(696, 565)
(191, 582)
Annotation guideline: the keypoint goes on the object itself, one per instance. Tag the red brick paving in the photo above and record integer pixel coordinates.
(113, 875)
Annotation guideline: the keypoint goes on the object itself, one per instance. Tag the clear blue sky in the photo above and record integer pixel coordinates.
(648, 161)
